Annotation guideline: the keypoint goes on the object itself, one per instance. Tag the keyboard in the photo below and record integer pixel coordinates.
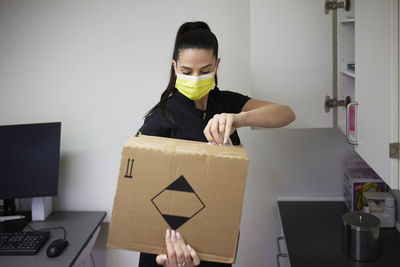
(22, 243)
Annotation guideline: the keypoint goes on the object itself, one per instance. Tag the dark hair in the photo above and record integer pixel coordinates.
(190, 35)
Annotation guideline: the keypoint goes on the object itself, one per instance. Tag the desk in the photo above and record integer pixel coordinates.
(80, 227)
(313, 234)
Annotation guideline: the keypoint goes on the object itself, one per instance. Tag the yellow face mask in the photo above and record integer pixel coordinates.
(195, 87)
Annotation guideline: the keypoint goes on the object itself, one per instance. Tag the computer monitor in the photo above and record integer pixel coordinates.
(29, 160)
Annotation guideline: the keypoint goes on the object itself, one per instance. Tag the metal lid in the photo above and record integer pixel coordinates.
(360, 220)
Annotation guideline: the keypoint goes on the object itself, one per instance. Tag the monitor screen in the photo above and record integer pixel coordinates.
(29, 160)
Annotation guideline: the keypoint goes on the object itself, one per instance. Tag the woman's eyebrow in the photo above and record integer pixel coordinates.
(187, 68)
(209, 65)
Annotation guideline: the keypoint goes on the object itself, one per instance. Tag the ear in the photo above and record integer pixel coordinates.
(217, 64)
(175, 66)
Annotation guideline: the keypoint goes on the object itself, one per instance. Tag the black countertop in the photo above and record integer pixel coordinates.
(313, 233)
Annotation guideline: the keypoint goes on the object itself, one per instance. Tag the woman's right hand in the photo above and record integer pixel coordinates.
(221, 126)
(178, 253)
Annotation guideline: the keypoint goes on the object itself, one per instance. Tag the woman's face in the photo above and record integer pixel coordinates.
(196, 62)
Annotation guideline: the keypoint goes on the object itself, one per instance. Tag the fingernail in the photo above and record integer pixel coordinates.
(164, 257)
(168, 234)
(173, 235)
(178, 235)
(225, 141)
(189, 247)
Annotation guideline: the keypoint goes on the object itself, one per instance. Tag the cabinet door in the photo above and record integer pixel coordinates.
(377, 89)
(291, 57)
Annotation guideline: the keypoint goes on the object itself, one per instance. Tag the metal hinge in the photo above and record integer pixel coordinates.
(394, 150)
(334, 102)
(333, 5)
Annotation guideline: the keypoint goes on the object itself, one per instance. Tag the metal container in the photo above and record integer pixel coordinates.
(361, 236)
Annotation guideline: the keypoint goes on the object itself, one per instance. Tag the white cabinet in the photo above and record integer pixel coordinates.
(368, 35)
(377, 86)
(291, 57)
(345, 39)
(294, 62)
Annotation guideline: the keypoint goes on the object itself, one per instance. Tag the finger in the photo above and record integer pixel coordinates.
(170, 247)
(228, 129)
(196, 259)
(180, 257)
(161, 259)
(221, 124)
(207, 132)
(186, 253)
(214, 131)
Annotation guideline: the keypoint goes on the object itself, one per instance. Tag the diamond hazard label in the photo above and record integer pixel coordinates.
(178, 203)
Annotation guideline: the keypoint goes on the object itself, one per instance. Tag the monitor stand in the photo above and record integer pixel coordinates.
(41, 208)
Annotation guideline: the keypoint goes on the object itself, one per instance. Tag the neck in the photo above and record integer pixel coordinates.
(201, 103)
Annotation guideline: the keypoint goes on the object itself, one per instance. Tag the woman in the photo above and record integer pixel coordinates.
(193, 108)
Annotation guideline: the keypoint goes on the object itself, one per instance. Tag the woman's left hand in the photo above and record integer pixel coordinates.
(220, 127)
(178, 253)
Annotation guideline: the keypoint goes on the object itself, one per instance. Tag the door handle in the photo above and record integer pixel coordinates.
(280, 254)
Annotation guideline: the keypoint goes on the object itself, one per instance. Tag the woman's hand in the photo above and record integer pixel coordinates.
(254, 113)
(221, 126)
(178, 253)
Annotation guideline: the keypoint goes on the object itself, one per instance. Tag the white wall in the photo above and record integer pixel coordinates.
(98, 66)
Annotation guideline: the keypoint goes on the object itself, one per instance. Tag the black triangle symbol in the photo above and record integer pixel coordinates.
(175, 221)
(180, 184)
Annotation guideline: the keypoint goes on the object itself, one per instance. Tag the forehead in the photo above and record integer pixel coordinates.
(193, 57)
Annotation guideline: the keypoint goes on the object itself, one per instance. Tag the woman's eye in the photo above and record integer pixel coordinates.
(205, 72)
(186, 73)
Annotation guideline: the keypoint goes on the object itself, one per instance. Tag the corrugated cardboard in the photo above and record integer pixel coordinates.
(192, 187)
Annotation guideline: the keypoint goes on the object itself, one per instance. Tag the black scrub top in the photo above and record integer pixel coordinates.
(190, 123)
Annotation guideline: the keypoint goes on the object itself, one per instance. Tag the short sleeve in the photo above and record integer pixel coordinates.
(155, 124)
(234, 101)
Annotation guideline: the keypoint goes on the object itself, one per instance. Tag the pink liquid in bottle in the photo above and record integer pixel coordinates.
(352, 119)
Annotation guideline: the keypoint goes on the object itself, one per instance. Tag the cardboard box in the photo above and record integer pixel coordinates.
(192, 187)
(357, 181)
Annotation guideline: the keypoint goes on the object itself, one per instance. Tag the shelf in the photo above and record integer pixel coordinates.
(348, 73)
(347, 20)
